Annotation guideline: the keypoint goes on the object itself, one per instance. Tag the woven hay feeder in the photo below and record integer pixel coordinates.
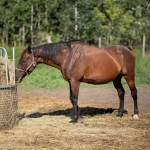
(8, 94)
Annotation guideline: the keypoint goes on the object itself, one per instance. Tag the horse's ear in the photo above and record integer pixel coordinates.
(23, 48)
(29, 48)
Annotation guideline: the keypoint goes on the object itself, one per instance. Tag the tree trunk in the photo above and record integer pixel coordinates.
(31, 27)
(46, 16)
(19, 37)
(143, 47)
(38, 13)
(76, 26)
(23, 35)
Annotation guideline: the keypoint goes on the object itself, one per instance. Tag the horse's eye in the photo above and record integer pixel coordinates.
(24, 61)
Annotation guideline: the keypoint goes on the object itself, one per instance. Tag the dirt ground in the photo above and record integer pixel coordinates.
(44, 117)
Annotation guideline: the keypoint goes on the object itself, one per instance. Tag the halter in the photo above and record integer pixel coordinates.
(26, 70)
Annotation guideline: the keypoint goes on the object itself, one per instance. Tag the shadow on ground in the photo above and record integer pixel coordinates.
(86, 111)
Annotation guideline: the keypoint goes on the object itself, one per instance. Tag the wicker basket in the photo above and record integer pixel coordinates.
(8, 95)
(8, 107)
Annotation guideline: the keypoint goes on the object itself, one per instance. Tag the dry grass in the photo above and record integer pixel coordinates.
(45, 127)
(3, 72)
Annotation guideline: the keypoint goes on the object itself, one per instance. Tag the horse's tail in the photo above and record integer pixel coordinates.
(129, 48)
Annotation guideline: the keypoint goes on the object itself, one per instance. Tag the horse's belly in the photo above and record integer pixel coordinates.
(101, 69)
(98, 80)
(100, 76)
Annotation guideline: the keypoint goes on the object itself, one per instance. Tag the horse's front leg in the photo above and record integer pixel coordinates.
(74, 90)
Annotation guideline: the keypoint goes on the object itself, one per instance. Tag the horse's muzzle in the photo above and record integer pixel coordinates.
(19, 80)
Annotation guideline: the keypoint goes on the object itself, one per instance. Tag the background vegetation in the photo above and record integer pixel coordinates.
(122, 22)
(115, 21)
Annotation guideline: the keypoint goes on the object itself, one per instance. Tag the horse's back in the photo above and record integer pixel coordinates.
(98, 65)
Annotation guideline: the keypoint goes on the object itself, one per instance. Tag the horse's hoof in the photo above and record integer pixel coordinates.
(135, 116)
(72, 121)
(119, 116)
(81, 120)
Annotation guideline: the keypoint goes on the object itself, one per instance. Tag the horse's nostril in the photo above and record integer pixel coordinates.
(19, 80)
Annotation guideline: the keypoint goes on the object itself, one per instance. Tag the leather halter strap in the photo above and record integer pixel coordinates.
(26, 70)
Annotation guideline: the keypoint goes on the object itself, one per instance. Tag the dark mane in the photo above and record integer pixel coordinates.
(50, 50)
(74, 40)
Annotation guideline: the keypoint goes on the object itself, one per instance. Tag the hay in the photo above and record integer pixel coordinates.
(50, 130)
(8, 97)
(3, 72)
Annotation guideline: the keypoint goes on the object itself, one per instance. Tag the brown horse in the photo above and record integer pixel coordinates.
(79, 62)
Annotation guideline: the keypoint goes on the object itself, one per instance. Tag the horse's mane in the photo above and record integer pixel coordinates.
(50, 50)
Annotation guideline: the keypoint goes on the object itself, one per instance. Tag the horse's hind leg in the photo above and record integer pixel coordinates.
(121, 92)
(131, 83)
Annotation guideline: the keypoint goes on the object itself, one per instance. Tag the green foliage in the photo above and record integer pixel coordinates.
(115, 21)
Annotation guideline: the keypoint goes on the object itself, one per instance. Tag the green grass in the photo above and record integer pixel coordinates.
(51, 78)
(142, 69)
(44, 77)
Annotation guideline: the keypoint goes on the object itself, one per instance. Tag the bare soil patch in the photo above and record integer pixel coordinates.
(46, 114)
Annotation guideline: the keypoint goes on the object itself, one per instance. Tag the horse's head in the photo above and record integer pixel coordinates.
(25, 65)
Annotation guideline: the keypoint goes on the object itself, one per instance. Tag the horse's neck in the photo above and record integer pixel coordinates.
(41, 60)
(56, 61)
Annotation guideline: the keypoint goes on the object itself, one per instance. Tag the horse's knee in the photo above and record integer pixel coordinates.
(134, 93)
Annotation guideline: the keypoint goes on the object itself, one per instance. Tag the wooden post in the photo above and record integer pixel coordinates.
(100, 42)
(14, 64)
(49, 39)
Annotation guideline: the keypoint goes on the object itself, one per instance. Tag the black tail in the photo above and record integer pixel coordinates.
(129, 48)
